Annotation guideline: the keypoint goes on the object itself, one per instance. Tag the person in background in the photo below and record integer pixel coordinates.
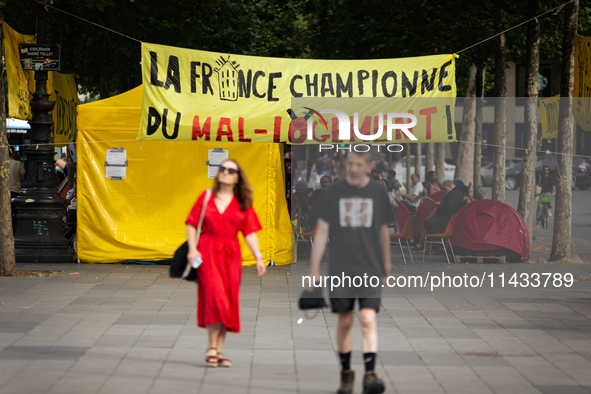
(431, 185)
(383, 166)
(324, 183)
(547, 184)
(450, 204)
(62, 166)
(310, 175)
(288, 175)
(228, 211)
(392, 181)
(376, 176)
(479, 193)
(413, 199)
(465, 191)
(17, 171)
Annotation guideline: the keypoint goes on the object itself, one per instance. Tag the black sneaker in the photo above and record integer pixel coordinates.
(418, 249)
(347, 382)
(372, 384)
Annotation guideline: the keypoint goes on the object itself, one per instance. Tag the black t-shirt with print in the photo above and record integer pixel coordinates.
(355, 216)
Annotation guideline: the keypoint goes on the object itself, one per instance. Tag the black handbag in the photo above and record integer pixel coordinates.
(179, 266)
(312, 299)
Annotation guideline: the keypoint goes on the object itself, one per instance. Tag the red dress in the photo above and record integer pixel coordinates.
(220, 273)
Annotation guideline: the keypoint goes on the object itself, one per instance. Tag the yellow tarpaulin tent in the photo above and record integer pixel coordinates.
(142, 216)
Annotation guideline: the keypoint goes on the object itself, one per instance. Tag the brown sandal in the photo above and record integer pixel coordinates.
(223, 362)
(211, 361)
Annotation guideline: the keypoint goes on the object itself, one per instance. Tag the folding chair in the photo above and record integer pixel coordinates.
(404, 234)
(309, 234)
(449, 231)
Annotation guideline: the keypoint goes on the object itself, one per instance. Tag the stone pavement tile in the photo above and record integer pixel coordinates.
(468, 345)
(559, 389)
(156, 341)
(263, 386)
(573, 365)
(275, 357)
(510, 347)
(10, 367)
(504, 379)
(428, 344)
(485, 359)
(412, 379)
(37, 377)
(117, 340)
(100, 360)
(130, 384)
(49, 331)
(458, 332)
(538, 370)
(578, 345)
(399, 358)
(9, 338)
(79, 383)
(436, 359)
(315, 357)
(455, 379)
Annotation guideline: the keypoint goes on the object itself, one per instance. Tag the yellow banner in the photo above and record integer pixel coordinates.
(549, 110)
(582, 88)
(19, 91)
(21, 86)
(209, 96)
(63, 91)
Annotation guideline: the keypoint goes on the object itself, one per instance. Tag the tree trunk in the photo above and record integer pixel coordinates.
(419, 161)
(525, 206)
(7, 266)
(561, 240)
(480, 74)
(440, 161)
(464, 169)
(408, 169)
(500, 140)
(429, 157)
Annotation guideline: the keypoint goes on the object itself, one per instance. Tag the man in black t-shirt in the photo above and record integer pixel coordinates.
(355, 213)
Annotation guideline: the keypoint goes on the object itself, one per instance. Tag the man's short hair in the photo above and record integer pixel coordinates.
(325, 176)
(543, 168)
(392, 172)
(417, 175)
(429, 174)
(447, 182)
(365, 155)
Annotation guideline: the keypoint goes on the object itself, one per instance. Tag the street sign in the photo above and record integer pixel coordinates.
(35, 57)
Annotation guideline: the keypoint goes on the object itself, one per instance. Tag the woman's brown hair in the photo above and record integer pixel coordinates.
(242, 190)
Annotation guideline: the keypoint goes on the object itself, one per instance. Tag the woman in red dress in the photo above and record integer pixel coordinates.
(228, 211)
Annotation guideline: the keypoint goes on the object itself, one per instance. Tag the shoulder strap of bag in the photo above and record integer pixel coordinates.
(205, 201)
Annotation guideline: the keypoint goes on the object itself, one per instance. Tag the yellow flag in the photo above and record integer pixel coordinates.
(582, 88)
(549, 109)
(21, 86)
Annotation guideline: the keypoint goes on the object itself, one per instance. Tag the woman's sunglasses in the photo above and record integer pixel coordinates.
(231, 171)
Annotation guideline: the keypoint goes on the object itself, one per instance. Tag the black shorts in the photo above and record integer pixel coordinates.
(344, 305)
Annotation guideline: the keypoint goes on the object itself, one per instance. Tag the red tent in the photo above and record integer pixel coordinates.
(424, 210)
(488, 225)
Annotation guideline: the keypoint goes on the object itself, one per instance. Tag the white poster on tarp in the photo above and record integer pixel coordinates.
(116, 164)
(215, 157)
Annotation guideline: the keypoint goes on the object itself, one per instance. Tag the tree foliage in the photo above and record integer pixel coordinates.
(327, 29)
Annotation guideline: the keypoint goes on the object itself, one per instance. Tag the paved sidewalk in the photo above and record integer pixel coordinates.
(131, 329)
